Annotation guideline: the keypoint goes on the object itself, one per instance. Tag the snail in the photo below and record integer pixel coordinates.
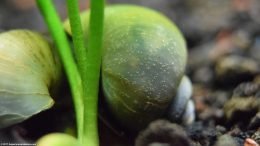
(29, 71)
(143, 61)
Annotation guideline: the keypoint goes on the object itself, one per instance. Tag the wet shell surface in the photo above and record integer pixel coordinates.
(28, 69)
(143, 60)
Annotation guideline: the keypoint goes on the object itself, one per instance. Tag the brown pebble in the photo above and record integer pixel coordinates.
(256, 136)
(250, 142)
(246, 89)
(161, 133)
(226, 140)
(234, 69)
(244, 104)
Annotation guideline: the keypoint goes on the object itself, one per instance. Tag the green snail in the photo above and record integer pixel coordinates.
(29, 70)
(143, 61)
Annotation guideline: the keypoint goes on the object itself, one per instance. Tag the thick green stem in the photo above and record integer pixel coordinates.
(91, 78)
(77, 35)
(78, 42)
(89, 62)
(55, 27)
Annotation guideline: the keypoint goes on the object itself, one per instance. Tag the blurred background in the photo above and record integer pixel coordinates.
(223, 38)
(198, 19)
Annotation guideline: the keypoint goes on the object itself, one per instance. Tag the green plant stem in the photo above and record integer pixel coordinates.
(77, 35)
(89, 63)
(78, 42)
(55, 27)
(91, 79)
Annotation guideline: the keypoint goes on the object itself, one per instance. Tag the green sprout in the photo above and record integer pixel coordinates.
(83, 72)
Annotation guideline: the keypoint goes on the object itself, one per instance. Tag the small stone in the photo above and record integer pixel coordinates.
(163, 133)
(214, 101)
(211, 113)
(226, 140)
(241, 39)
(246, 89)
(256, 136)
(234, 69)
(204, 75)
(203, 134)
(250, 142)
(244, 103)
(220, 130)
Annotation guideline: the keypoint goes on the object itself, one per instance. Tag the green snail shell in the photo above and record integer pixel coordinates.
(28, 69)
(143, 60)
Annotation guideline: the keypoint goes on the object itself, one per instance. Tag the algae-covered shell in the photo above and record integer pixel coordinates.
(28, 69)
(143, 60)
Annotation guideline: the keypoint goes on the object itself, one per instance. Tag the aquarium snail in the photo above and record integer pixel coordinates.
(143, 61)
(29, 69)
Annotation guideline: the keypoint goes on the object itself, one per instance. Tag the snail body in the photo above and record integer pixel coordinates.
(143, 61)
(28, 71)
